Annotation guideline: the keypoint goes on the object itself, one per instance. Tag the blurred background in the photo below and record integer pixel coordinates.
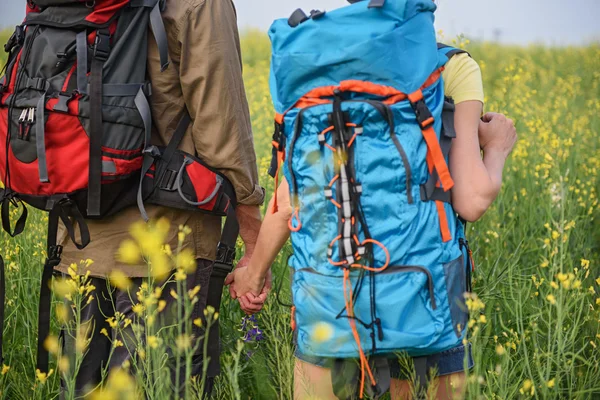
(522, 22)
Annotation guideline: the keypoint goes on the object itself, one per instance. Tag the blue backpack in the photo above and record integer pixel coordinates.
(363, 131)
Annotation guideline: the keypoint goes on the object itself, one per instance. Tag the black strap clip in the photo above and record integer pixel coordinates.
(225, 255)
(168, 181)
(423, 114)
(16, 39)
(63, 102)
(151, 151)
(55, 253)
(102, 45)
(297, 18)
(278, 146)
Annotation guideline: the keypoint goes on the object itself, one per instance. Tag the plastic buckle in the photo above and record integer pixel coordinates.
(168, 180)
(15, 39)
(424, 116)
(55, 252)
(278, 136)
(63, 102)
(297, 18)
(151, 151)
(316, 14)
(102, 46)
(225, 254)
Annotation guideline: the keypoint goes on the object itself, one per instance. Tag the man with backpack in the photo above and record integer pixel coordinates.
(191, 90)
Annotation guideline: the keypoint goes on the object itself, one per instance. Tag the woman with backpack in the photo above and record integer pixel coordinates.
(358, 155)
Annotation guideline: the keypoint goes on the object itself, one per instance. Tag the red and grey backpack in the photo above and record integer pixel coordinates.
(75, 127)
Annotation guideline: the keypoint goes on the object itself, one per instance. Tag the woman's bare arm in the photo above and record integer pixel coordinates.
(477, 181)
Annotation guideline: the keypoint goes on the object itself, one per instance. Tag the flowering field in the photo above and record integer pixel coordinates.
(535, 321)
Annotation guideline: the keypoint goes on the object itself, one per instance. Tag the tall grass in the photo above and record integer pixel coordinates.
(535, 322)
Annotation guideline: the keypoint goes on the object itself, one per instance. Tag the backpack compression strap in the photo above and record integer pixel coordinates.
(63, 210)
(430, 190)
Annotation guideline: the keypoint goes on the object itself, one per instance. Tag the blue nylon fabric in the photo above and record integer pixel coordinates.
(410, 231)
(354, 42)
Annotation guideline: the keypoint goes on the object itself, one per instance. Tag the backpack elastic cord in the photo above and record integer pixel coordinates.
(222, 266)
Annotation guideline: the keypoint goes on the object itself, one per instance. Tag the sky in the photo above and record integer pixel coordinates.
(552, 22)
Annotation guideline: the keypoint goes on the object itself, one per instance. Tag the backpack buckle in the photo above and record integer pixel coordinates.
(168, 180)
(15, 39)
(423, 114)
(102, 45)
(63, 102)
(225, 254)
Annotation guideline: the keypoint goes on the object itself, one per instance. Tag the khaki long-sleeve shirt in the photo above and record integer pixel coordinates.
(205, 75)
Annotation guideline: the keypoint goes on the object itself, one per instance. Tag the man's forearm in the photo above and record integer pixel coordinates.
(249, 219)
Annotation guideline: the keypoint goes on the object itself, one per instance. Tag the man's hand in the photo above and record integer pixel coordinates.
(497, 133)
(249, 219)
(251, 291)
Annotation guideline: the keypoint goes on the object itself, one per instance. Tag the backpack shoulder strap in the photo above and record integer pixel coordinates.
(449, 51)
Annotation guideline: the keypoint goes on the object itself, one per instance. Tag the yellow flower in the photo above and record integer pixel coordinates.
(550, 383)
(482, 319)
(51, 344)
(555, 235)
(173, 294)
(104, 332)
(186, 260)
(551, 299)
(527, 388)
(117, 343)
(161, 305)
(62, 313)
(153, 341)
(183, 342)
(193, 292)
(129, 252)
(120, 280)
(585, 263)
(500, 350)
(63, 364)
(180, 275)
(138, 309)
(5, 369)
(198, 322)
(554, 285)
(322, 332)
(42, 377)
(64, 288)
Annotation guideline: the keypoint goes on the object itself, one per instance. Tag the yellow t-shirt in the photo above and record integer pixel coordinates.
(462, 79)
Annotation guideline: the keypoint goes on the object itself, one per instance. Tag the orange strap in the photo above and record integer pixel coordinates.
(280, 160)
(364, 363)
(318, 95)
(439, 162)
(293, 318)
(441, 209)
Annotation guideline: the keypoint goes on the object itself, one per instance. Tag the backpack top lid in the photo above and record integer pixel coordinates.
(78, 14)
(393, 45)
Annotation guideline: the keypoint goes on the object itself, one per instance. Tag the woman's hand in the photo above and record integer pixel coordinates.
(497, 133)
(251, 290)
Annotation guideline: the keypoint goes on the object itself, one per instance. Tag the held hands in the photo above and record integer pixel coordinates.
(497, 133)
(251, 291)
